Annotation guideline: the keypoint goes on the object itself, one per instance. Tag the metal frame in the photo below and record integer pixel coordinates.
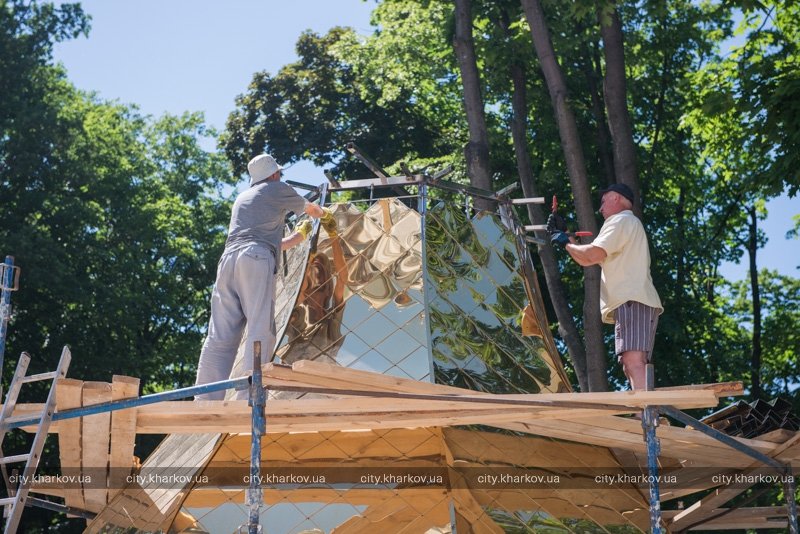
(9, 278)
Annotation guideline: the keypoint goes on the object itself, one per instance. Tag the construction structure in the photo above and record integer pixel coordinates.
(415, 388)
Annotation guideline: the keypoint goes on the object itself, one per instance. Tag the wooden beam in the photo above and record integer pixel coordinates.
(68, 395)
(123, 433)
(342, 378)
(705, 507)
(756, 517)
(720, 389)
(94, 444)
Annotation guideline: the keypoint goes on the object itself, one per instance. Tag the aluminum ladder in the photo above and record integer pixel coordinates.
(14, 504)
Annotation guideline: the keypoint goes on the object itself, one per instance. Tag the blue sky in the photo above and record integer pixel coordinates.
(171, 56)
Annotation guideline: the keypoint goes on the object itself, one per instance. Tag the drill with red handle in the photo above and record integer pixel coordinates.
(554, 210)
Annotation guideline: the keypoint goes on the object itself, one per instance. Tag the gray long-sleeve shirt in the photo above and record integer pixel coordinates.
(259, 215)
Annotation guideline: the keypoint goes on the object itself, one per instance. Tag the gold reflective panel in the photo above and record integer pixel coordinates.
(361, 303)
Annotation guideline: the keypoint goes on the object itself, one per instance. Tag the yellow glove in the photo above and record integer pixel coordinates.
(328, 222)
(304, 229)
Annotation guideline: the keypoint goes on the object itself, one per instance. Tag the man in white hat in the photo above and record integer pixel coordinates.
(244, 292)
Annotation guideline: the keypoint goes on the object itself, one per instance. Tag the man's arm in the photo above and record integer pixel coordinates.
(586, 255)
(291, 241)
(314, 210)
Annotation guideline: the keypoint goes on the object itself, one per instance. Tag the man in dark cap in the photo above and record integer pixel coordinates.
(628, 299)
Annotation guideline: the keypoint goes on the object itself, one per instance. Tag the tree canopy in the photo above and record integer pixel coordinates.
(117, 219)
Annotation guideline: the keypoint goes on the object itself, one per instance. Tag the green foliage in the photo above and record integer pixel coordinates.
(116, 220)
(312, 108)
(780, 301)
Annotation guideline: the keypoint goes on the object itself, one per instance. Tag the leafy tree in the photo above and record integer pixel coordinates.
(476, 153)
(312, 108)
(115, 219)
(780, 301)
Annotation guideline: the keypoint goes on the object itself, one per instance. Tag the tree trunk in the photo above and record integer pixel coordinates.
(591, 68)
(615, 93)
(658, 115)
(566, 323)
(476, 152)
(596, 365)
(755, 356)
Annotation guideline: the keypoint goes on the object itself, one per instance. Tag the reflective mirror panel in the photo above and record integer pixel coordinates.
(476, 297)
(360, 303)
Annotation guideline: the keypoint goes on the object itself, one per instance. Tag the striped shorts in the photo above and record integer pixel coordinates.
(635, 328)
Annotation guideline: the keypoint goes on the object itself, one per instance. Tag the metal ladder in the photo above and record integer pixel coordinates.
(18, 495)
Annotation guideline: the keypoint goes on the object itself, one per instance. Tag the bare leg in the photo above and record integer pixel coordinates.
(634, 364)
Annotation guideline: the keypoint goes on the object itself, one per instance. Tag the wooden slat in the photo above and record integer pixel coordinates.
(720, 389)
(95, 443)
(152, 506)
(741, 518)
(69, 395)
(343, 378)
(123, 433)
(705, 507)
(469, 514)
(213, 497)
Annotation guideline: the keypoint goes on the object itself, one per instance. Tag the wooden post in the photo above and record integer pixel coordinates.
(68, 395)
(123, 433)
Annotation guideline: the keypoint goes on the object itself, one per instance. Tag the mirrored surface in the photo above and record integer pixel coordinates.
(360, 303)
(477, 295)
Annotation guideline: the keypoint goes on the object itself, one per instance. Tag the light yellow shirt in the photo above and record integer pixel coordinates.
(626, 269)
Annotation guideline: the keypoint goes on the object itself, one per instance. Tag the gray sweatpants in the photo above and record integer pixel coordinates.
(244, 293)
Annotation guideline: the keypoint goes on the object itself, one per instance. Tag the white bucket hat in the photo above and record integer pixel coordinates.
(262, 167)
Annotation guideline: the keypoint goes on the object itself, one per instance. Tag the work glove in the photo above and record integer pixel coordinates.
(556, 223)
(328, 222)
(559, 238)
(304, 229)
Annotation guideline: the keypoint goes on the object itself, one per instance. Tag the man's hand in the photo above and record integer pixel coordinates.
(559, 238)
(556, 223)
(304, 229)
(328, 222)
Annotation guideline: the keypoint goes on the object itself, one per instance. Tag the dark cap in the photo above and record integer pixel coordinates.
(622, 189)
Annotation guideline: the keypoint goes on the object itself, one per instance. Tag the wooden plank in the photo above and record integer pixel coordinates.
(151, 505)
(68, 395)
(705, 507)
(757, 517)
(720, 389)
(469, 514)
(94, 445)
(780, 435)
(212, 497)
(324, 374)
(676, 442)
(123, 433)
